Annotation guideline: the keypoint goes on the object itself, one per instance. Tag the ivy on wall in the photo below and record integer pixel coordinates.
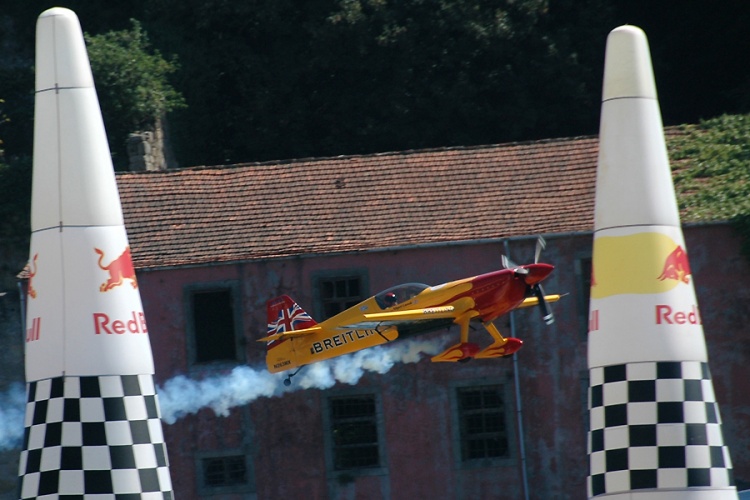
(711, 170)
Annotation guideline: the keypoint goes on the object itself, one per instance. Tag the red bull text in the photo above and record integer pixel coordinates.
(136, 323)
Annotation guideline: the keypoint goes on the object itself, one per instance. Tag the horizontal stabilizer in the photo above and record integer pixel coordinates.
(290, 334)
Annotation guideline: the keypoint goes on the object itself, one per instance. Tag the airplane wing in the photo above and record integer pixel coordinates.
(422, 315)
(398, 318)
(533, 301)
(291, 334)
(441, 311)
(414, 314)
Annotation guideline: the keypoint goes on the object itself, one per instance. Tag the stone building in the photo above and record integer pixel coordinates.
(212, 244)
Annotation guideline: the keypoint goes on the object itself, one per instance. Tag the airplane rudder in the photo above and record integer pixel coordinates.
(284, 315)
(273, 306)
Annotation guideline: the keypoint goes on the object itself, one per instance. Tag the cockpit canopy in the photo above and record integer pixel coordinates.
(399, 294)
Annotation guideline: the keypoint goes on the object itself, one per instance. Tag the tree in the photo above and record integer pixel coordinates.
(132, 83)
(15, 193)
(270, 80)
(458, 72)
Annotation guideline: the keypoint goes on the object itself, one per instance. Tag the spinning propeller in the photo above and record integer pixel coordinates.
(536, 289)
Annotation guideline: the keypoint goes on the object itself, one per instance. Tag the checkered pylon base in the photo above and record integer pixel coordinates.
(655, 425)
(94, 437)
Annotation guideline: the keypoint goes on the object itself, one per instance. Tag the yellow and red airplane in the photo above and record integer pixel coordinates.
(294, 338)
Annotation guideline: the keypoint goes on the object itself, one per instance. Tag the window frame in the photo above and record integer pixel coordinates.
(190, 291)
(348, 474)
(204, 489)
(319, 277)
(507, 414)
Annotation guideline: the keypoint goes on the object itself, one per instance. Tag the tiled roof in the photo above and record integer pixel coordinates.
(355, 203)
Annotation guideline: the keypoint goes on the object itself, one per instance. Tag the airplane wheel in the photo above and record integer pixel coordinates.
(465, 360)
(287, 382)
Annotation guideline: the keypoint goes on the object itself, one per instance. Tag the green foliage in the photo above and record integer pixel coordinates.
(15, 192)
(3, 119)
(132, 80)
(17, 122)
(15, 201)
(711, 163)
(271, 80)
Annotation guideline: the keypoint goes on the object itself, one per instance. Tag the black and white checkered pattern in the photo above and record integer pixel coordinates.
(94, 437)
(655, 425)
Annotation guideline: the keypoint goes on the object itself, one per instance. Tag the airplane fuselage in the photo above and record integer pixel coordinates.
(415, 309)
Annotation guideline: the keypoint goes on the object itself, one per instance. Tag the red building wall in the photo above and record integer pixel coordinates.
(285, 435)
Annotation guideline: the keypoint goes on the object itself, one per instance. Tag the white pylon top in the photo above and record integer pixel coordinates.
(74, 182)
(634, 181)
(627, 66)
(62, 59)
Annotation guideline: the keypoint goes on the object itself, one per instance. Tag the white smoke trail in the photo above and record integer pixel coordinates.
(181, 396)
(12, 410)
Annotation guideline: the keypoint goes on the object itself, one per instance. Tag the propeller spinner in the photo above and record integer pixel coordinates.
(547, 315)
(536, 289)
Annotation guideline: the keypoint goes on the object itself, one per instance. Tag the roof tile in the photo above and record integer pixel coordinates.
(269, 210)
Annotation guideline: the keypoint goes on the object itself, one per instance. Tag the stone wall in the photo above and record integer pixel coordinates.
(149, 149)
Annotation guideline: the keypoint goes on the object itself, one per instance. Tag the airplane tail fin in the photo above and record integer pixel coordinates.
(285, 315)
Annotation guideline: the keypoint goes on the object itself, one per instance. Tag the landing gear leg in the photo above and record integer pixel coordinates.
(288, 379)
(463, 322)
(492, 330)
(501, 346)
(464, 350)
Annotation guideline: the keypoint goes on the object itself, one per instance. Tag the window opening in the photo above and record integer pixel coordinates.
(354, 431)
(482, 422)
(213, 326)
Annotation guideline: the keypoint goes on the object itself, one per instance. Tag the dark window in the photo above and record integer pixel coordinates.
(224, 471)
(213, 326)
(482, 422)
(339, 293)
(354, 432)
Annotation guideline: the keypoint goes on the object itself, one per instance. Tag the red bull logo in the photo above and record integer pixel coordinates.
(119, 270)
(32, 272)
(676, 267)
(639, 263)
